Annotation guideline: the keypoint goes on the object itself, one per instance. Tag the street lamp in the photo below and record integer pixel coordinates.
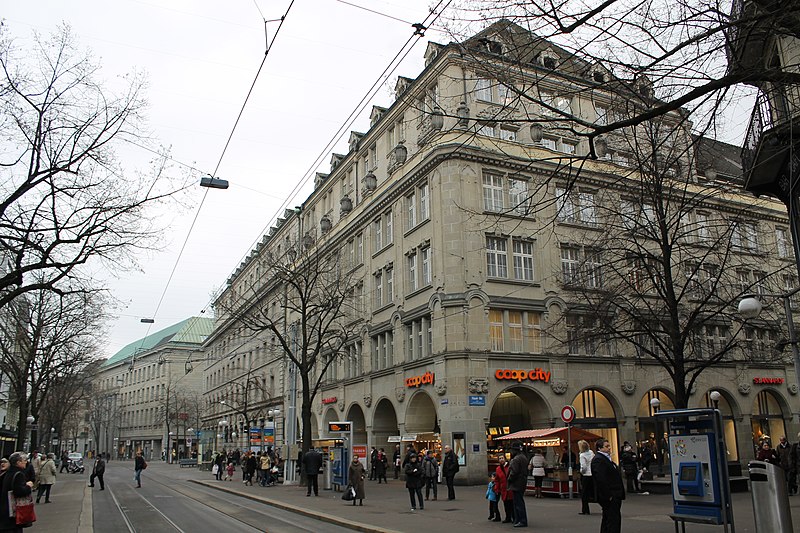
(715, 396)
(655, 403)
(30, 420)
(169, 446)
(52, 435)
(187, 452)
(750, 307)
(116, 446)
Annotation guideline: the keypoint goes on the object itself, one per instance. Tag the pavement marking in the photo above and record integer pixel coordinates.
(122, 511)
(86, 519)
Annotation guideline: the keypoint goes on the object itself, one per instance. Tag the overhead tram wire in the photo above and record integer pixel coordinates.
(390, 68)
(269, 45)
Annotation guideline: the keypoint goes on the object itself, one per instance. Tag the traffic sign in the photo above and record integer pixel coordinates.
(568, 414)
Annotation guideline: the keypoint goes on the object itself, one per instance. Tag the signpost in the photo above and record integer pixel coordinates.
(568, 416)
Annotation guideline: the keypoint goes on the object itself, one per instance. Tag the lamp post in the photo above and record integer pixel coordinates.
(222, 428)
(187, 452)
(116, 446)
(750, 307)
(655, 403)
(52, 435)
(169, 446)
(30, 420)
(714, 396)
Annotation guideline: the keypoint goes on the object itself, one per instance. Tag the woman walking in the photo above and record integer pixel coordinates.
(14, 482)
(537, 471)
(355, 475)
(506, 496)
(587, 486)
(414, 481)
(47, 477)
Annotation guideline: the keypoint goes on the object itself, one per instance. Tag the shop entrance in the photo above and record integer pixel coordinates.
(767, 419)
(356, 415)
(728, 423)
(594, 412)
(515, 409)
(422, 424)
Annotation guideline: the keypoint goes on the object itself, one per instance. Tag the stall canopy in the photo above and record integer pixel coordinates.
(551, 434)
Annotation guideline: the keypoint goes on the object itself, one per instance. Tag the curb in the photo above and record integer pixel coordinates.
(86, 520)
(335, 520)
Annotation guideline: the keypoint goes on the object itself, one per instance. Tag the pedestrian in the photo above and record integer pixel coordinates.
(414, 481)
(312, 462)
(493, 496)
(266, 468)
(587, 487)
(381, 465)
(517, 483)
(229, 471)
(139, 464)
(396, 461)
(409, 452)
(64, 462)
(46, 477)
(450, 468)
(98, 470)
(766, 453)
(568, 458)
(14, 482)
(250, 467)
(784, 451)
(32, 466)
(646, 456)
(794, 472)
(506, 495)
(630, 466)
(355, 477)
(536, 466)
(373, 458)
(430, 471)
(608, 486)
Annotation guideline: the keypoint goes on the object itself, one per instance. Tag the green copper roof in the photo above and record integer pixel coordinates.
(193, 330)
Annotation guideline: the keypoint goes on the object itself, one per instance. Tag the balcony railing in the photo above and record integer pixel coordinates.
(773, 108)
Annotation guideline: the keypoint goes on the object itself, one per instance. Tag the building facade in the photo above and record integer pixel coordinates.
(481, 231)
(148, 399)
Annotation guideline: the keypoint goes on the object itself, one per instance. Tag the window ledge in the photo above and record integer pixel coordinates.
(418, 291)
(509, 214)
(382, 249)
(382, 308)
(416, 227)
(511, 281)
(582, 225)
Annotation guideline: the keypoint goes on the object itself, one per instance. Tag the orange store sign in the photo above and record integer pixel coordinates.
(537, 374)
(425, 379)
(768, 381)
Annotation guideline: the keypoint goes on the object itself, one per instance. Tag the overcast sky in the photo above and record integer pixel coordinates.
(201, 57)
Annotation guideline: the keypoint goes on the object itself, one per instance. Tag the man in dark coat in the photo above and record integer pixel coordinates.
(64, 462)
(396, 461)
(517, 483)
(312, 462)
(97, 472)
(250, 465)
(449, 470)
(608, 486)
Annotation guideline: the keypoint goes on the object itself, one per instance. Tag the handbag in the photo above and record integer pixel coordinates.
(349, 494)
(215, 470)
(21, 507)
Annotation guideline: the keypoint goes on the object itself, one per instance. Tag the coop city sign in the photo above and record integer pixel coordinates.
(425, 379)
(537, 374)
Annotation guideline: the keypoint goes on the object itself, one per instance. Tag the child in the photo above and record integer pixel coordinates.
(229, 472)
(493, 497)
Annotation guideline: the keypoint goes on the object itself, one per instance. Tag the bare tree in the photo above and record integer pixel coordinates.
(66, 202)
(71, 391)
(656, 263)
(44, 338)
(307, 307)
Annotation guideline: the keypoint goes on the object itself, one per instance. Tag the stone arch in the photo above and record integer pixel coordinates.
(520, 407)
(768, 419)
(730, 411)
(384, 425)
(420, 415)
(355, 414)
(598, 410)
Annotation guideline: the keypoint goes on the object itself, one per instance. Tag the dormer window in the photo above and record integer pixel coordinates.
(493, 47)
(549, 62)
(598, 76)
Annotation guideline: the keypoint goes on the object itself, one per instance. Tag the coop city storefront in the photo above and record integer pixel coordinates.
(470, 403)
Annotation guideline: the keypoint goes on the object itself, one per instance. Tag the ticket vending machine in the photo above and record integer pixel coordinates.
(698, 468)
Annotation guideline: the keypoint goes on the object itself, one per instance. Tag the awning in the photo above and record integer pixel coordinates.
(576, 434)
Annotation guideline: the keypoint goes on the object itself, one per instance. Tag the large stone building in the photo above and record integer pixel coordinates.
(147, 398)
(481, 242)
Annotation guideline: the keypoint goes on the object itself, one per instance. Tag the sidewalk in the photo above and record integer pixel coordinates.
(387, 508)
(71, 507)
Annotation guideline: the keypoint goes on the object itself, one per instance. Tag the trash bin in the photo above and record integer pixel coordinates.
(770, 499)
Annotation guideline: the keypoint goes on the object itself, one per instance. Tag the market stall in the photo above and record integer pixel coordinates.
(551, 441)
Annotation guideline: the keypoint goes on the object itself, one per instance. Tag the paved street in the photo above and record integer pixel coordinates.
(184, 499)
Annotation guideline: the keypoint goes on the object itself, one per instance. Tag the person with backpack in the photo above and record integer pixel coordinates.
(449, 470)
(430, 471)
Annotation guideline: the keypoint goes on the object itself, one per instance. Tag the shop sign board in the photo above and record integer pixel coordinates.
(327, 401)
(425, 379)
(393, 438)
(768, 381)
(537, 374)
(410, 438)
(477, 400)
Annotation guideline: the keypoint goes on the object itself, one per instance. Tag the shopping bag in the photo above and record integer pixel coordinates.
(215, 469)
(22, 508)
(349, 494)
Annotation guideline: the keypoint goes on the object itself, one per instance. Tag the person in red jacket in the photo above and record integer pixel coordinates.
(506, 496)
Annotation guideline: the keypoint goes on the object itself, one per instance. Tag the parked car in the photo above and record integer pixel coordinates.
(75, 463)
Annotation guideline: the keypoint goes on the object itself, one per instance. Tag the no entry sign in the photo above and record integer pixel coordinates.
(567, 414)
